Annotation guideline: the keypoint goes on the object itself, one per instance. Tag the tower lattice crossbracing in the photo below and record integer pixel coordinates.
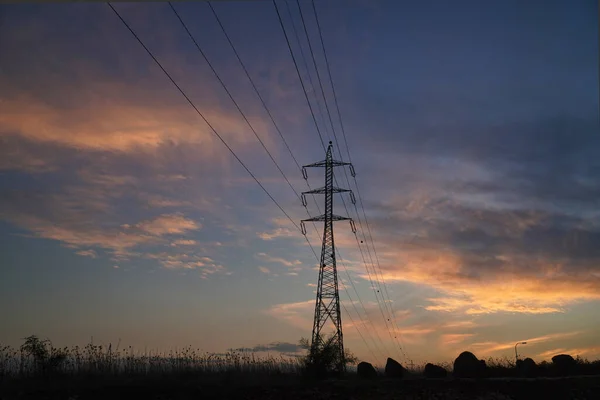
(327, 306)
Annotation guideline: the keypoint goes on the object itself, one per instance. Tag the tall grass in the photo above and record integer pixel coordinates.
(98, 360)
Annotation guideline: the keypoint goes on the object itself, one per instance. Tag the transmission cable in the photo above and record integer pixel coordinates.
(231, 97)
(264, 104)
(349, 156)
(337, 143)
(208, 123)
(298, 72)
(341, 156)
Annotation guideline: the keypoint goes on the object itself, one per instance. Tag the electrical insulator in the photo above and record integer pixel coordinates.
(352, 226)
(304, 174)
(303, 200)
(352, 198)
(303, 228)
(352, 172)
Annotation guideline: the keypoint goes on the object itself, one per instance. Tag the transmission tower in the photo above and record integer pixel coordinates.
(327, 306)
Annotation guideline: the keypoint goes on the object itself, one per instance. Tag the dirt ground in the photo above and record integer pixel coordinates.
(490, 389)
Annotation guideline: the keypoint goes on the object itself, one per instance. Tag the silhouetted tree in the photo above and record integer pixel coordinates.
(324, 359)
(45, 357)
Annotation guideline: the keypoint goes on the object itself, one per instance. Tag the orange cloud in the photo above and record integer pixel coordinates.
(168, 224)
(591, 352)
(449, 339)
(264, 270)
(278, 260)
(299, 314)
(184, 242)
(492, 347)
(503, 290)
(108, 122)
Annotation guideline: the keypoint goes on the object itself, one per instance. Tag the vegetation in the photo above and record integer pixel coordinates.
(39, 370)
(324, 360)
(38, 357)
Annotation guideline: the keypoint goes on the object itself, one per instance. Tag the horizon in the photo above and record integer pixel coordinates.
(473, 131)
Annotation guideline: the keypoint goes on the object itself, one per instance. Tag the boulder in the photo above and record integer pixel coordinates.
(564, 364)
(365, 370)
(467, 365)
(393, 369)
(527, 368)
(434, 371)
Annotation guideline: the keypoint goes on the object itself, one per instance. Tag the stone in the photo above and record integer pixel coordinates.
(393, 369)
(467, 365)
(527, 368)
(365, 370)
(434, 371)
(564, 364)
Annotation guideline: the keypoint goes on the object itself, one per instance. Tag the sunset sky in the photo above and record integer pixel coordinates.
(473, 128)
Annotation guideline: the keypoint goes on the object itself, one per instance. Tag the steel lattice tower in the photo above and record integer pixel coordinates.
(327, 306)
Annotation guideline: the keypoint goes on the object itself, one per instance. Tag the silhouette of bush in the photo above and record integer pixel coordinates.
(47, 359)
(321, 362)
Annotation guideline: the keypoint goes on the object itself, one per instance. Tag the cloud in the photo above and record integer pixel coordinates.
(278, 233)
(279, 260)
(183, 242)
(264, 270)
(531, 261)
(87, 253)
(162, 202)
(73, 221)
(449, 339)
(585, 352)
(206, 266)
(279, 347)
(492, 347)
(166, 224)
(299, 314)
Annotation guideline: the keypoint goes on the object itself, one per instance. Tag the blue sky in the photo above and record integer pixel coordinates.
(473, 130)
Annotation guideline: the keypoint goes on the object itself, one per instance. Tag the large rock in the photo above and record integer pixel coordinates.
(365, 370)
(564, 364)
(527, 368)
(434, 371)
(393, 369)
(467, 365)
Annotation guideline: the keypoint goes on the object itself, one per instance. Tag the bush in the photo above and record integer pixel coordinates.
(324, 360)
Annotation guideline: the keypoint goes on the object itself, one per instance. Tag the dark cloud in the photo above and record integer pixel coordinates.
(280, 347)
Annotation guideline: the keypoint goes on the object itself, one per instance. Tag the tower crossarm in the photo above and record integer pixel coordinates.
(334, 163)
(322, 217)
(328, 164)
(322, 190)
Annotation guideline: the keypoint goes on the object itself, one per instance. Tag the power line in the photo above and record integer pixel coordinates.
(300, 76)
(252, 83)
(303, 57)
(348, 151)
(352, 320)
(298, 72)
(231, 97)
(203, 117)
(235, 103)
(349, 156)
(243, 115)
(362, 304)
(264, 104)
(337, 143)
(317, 71)
(333, 129)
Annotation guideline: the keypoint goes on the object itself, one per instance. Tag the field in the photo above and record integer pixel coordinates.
(94, 372)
